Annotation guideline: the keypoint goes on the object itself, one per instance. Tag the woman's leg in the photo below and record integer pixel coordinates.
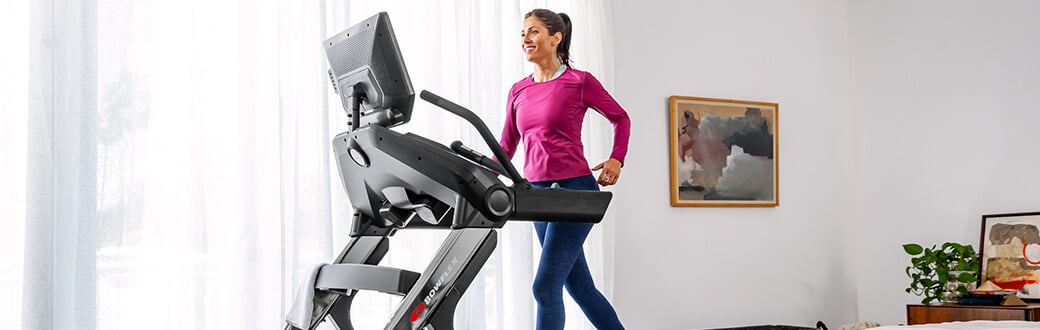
(562, 253)
(579, 282)
(561, 246)
(596, 307)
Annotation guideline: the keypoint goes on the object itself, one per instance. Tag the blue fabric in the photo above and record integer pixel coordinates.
(559, 72)
(563, 264)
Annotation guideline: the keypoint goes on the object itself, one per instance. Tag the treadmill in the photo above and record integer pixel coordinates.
(398, 181)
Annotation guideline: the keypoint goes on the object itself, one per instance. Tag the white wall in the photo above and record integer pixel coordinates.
(944, 96)
(900, 121)
(687, 268)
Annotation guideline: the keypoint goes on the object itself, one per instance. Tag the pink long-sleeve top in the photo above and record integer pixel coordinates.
(547, 117)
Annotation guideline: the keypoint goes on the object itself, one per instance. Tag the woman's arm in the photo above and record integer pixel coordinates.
(510, 133)
(596, 97)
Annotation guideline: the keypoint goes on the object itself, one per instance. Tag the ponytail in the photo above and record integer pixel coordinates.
(563, 50)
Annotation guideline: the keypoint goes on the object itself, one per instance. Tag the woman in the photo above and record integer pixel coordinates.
(545, 110)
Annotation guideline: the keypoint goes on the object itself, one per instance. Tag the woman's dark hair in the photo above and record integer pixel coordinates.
(556, 23)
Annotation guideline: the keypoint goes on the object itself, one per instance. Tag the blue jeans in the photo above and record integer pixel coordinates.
(563, 264)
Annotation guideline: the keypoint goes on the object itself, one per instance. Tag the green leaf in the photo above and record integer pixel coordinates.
(962, 290)
(966, 278)
(913, 249)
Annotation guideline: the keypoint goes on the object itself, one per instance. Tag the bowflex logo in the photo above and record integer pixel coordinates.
(418, 311)
(437, 287)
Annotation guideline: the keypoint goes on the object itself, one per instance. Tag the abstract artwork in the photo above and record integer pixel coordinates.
(1010, 252)
(723, 152)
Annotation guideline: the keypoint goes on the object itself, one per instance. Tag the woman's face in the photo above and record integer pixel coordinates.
(537, 43)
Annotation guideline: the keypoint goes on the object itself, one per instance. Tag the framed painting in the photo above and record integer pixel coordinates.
(723, 152)
(1009, 252)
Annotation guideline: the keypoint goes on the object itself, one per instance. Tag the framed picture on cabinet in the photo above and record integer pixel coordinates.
(1009, 252)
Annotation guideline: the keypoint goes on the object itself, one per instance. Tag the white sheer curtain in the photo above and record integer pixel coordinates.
(173, 160)
(167, 164)
(14, 104)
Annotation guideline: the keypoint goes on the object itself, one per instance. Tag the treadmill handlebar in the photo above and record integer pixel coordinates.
(477, 157)
(472, 118)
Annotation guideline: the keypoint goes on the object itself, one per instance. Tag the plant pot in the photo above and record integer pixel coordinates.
(951, 295)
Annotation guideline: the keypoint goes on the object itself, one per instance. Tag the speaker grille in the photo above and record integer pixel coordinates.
(350, 54)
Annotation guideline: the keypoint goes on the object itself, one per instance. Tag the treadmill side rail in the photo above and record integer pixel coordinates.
(432, 300)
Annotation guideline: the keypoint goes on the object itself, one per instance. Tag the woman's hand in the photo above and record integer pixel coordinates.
(611, 171)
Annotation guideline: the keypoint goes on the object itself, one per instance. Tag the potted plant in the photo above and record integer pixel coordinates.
(941, 274)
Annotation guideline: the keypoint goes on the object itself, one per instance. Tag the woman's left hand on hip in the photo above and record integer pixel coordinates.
(611, 171)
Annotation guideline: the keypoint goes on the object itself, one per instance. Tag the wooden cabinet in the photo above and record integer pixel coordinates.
(921, 314)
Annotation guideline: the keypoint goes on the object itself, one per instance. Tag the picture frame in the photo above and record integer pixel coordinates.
(1009, 252)
(723, 152)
